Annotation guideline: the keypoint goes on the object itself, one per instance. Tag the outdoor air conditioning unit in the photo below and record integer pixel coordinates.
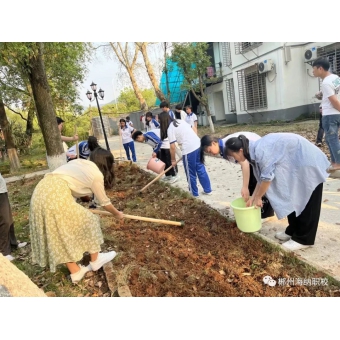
(266, 66)
(310, 54)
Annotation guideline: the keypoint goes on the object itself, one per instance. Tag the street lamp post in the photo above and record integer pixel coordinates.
(101, 95)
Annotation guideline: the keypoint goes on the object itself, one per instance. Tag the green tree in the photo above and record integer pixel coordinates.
(50, 73)
(193, 60)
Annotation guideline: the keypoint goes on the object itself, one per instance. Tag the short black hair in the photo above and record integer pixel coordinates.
(127, 118)
(136, 134)
(164, 104)
(321, 62)
(59, 120)
(178, 107)
(188, 107)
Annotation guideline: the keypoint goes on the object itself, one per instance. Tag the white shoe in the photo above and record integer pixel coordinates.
(207, 193)
(10, 257)
(292, 245)
(22, 244)
(282, 236)
(102, 259)
(76, 277)
(166, 178)
(174, 179)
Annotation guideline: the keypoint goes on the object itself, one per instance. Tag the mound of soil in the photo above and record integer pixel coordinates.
(209, 256)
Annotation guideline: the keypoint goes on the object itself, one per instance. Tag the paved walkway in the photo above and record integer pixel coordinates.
(226, 180)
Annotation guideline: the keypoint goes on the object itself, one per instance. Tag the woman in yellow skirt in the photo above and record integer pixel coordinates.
(62, 230)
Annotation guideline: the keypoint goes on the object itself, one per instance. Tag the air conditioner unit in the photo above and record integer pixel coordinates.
(310, 54)
(266, 66)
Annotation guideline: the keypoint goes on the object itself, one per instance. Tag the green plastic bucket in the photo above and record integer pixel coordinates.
(248, 220)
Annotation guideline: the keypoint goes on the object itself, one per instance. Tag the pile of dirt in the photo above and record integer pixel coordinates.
(209, 256)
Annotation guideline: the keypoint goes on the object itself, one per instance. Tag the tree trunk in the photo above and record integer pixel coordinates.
(10, 145)
(29, 124)
(143, 48)
(138, 93)
(45, 110)
(168, 94)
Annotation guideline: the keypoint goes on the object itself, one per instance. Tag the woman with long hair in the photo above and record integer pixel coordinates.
(215, 146)
(290, 171)
(62, 230)
(181, 132)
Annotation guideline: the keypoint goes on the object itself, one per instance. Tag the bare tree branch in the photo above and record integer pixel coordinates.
(18, 113)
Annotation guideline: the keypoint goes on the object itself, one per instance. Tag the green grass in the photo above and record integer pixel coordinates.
(32, 162)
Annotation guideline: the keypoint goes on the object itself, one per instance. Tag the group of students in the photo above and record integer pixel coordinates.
(282, 173)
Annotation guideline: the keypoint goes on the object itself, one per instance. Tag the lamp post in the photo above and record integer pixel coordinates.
(101, 95)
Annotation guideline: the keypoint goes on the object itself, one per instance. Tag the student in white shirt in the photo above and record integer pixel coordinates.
(181, 132)
(62, 230)
(180, 114)
(161, 150)
(126, 131)
(7, 234)
(191, 118)
(215, 146)
(64, 139)
(151, 122)
(330, 88)
(128, 121)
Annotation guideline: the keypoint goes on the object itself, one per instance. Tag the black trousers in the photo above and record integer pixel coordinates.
(303, 228)
(267, 210)
(7, 235)
(165, 156)
(320, 131)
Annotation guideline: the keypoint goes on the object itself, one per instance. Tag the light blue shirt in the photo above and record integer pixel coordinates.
(293, 165)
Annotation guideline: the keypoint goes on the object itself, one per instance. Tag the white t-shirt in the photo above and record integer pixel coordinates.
(329, 87)
(3, 186)
(184, 135)
(250, 135)
(129, 123)
(84, 179)
(157, 132)
(191, 119)
(126, 134)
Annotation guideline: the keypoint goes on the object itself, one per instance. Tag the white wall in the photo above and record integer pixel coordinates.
(293, 86)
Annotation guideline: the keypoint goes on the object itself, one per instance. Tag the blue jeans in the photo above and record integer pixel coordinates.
(331, 125)
(194, 168)
(130, 146)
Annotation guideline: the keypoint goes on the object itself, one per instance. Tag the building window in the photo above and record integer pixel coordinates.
(252, 89)
(226, 54)
(231, 95)
(332, 53)
(242, 47)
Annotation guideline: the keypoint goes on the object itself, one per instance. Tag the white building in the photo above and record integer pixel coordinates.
(264, 81)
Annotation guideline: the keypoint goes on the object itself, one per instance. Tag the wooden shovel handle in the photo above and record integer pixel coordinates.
(140, 218)
(77, 145)
(159, 176)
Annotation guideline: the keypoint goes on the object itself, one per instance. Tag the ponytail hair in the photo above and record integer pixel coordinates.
(235, 144)
(206, 141)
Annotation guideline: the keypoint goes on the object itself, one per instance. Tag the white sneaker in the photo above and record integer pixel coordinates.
(282, 236)
(174, 179)
(10, 257)
(102, 259)
(207, 193)
(22, 244)
(292, 245)
(76, 277)
(166, 178)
